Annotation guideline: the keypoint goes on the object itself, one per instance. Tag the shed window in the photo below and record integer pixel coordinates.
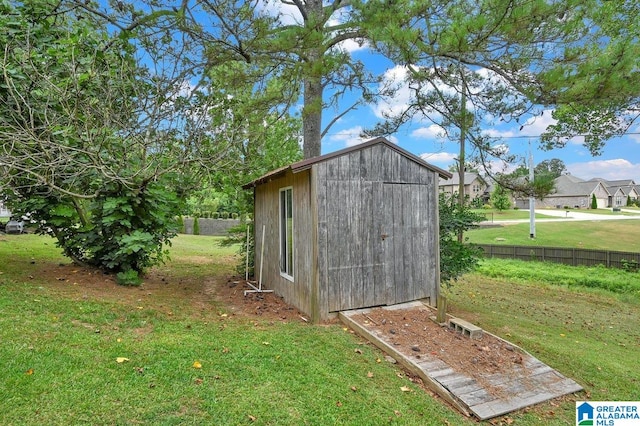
(286, 232)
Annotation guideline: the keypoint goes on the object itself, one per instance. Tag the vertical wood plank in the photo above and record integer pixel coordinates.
(368, 234)
(390, 244)
(344, 250)
(323, 288)
(333, 244)
(399, 224)
(379, 244)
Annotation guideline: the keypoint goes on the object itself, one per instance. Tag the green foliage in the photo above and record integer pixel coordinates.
(129, 278)
(456, 258)
(118, 231)
(196, 226)
(500, 198)
(630, 266)
(237, 236)
(554, 167)
(594, 201)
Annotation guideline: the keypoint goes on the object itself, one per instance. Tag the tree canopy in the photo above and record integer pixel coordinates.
(104, 135)
(112, 111)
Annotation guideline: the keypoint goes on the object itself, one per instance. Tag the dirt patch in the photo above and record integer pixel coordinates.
(212, 296)
(414, 334)
(265, 305)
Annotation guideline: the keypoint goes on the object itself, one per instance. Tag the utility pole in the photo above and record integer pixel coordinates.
(462, 161)
(532, 198)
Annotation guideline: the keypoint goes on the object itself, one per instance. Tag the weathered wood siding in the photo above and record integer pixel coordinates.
(298, 292)
(377, 230)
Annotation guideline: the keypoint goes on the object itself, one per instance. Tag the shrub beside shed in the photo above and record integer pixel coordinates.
(351, 229)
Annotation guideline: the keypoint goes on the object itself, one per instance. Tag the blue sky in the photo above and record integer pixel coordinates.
(620, 158)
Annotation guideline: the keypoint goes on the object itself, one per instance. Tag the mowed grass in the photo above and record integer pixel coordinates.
(61, 343)
(60, 347)
(618, 235)
(589, 335)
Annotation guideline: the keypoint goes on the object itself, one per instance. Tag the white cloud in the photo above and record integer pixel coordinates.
(287, 14)
(495, 133)
(394, 77)
(443, 159)
(615, 169)
(352, 46)
(535, 126)
(349, 137)
(431, 132)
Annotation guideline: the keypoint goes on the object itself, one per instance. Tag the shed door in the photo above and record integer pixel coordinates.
(404, 246)
(379, 250)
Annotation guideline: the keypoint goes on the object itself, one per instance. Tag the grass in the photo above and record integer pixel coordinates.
(596, 277)
(590, 336)
(60, 344)
(618, 235)
(60, 347)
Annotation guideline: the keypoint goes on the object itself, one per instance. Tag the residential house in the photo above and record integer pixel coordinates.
(620, 190)
(573, 192)
(475, 187)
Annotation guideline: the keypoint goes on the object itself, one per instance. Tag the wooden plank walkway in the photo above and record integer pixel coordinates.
(495, 395)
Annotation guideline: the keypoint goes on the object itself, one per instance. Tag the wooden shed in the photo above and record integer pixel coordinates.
(351, 229)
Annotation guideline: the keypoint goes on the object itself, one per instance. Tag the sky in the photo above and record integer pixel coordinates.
(620, 158)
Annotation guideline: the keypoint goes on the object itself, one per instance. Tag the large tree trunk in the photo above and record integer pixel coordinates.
(312, 117)
(314, 21)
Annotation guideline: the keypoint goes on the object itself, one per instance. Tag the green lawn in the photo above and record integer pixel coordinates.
(61, 341)
(619, 235)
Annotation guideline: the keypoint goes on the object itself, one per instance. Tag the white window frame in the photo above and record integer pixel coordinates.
(285, 213)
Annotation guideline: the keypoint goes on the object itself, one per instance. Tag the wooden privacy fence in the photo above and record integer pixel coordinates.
(567, 256)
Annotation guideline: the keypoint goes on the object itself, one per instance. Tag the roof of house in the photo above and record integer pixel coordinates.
(308, 163)
(620, 182)
(468, 178)
(568, 185)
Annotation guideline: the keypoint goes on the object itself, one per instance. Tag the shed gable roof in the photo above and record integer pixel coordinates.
(308, 163)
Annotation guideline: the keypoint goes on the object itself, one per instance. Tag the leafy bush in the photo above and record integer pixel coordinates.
(120, 230)
(630, 265)
(456, 257)
(500, 198)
